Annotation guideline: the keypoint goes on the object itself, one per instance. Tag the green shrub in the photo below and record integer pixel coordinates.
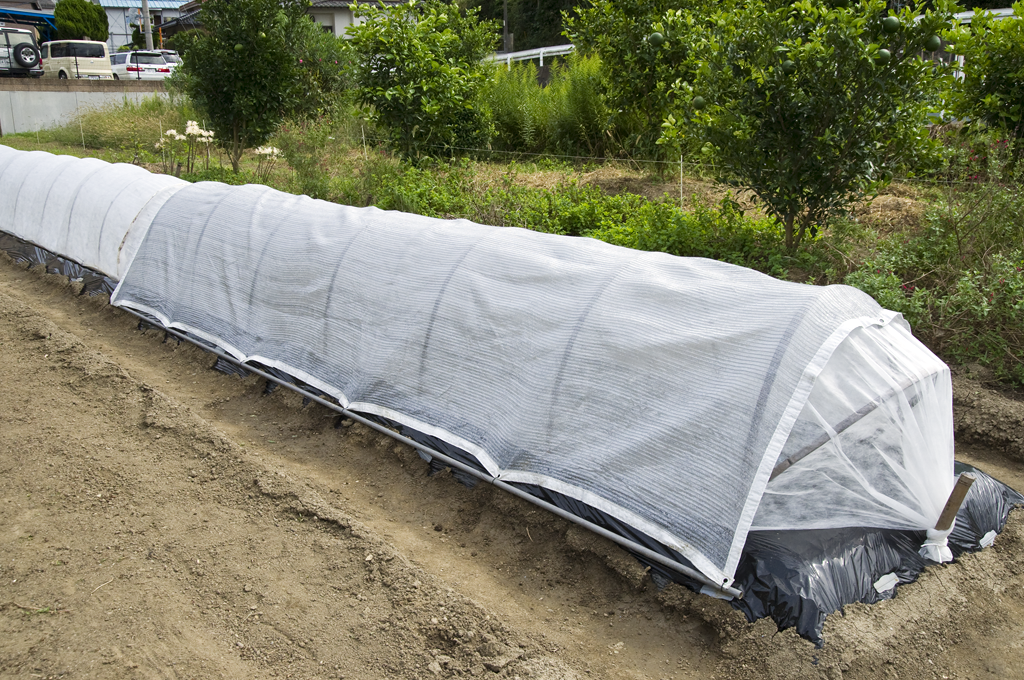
(78, 19)
(417, 72)
(960, 282)
(992, 90)
(577, 115)
(304, 144)
(519, 108)
(810, 106)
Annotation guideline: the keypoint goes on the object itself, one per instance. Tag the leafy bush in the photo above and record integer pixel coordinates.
(78, 19)
(181, 42)
(568, 116)
(578, 117)
(418, 72)
(960, 283)
(304, 144)
(519, 108)
(244, 73)
(810, 106)
(323, 65)
(637, 73)
(992, 90)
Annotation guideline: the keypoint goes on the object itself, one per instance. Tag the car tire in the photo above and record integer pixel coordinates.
(116, 77)
(26, 55)
(62, 75)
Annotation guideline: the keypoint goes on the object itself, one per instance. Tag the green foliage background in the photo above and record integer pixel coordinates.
(809, 106)
(533, 24)
(417, 72)
(77, 19)
(255, 63)
(992, 91)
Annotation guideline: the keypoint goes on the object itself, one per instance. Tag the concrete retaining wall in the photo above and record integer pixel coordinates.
(28, 105)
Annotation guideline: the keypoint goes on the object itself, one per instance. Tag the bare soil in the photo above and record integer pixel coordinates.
(159, 519)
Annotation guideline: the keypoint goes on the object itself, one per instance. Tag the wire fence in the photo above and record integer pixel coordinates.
(702, 170)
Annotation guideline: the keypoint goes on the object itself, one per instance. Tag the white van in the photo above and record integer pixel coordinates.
(76, 59)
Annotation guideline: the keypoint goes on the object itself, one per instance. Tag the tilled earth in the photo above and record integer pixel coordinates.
(159, 519)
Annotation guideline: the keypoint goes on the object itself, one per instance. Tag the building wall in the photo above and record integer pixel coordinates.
(337, 19)
(118, 20)
(31, 104)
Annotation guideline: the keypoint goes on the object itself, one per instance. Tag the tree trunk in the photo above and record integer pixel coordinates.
(790, 236)
(236, 152)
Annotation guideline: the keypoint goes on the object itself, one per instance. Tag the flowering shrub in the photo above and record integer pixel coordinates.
(180, 151)
(266, 159)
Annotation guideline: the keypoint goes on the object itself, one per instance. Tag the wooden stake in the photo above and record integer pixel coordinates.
(956, 499)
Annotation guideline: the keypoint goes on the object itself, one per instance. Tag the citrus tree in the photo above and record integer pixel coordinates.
(639, 64)
(809, 105)
(252, 66)
(417, 72)
(78, 19)
(992, 90)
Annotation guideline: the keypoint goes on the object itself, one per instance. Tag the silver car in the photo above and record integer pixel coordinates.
(136, 65)
(19, 55)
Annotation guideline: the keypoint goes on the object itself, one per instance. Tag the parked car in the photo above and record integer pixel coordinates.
(137, 65)
(76, 59)
(172, 58)
(19, 55)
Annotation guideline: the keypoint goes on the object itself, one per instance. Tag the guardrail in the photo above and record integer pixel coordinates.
(526, 55)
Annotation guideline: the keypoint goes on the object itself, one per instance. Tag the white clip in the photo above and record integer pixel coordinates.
(886, 583)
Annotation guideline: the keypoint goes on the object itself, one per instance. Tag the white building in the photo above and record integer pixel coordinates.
(122, 13)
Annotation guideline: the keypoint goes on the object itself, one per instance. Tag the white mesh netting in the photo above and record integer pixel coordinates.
(660, 390)
(80, 208)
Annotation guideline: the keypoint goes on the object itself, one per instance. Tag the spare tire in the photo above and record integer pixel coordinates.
(26, 55)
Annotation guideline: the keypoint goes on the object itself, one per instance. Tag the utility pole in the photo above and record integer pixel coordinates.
(147, 29)
(504, 27)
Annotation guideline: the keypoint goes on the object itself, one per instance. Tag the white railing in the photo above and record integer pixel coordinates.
(524, 55)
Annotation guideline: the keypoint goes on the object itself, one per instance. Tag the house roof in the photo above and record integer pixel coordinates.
(137, 4)
(343, 4)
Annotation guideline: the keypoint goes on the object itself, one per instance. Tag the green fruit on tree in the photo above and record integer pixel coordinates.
(698, 103)
(890, 24)
(239, 48)
(789, 67)
(883, 56)
(262, 34)
(656, 39)
(933, 43)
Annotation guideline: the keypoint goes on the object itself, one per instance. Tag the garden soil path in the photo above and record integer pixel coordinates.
(159, 519)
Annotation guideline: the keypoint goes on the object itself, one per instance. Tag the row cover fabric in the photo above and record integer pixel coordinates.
(659, 390)
(79, 208)
(795, 577)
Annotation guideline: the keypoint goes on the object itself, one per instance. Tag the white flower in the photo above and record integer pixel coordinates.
(267, 151)
(171, 133)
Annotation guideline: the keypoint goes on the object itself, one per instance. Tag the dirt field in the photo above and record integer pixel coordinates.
(161, 520)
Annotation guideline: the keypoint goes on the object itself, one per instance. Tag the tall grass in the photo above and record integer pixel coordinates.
(568, 116)
(129, 126)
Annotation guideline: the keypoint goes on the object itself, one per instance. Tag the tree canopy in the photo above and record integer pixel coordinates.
(418, 73)
(808, 105)
(80, 19)
(252, 66)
